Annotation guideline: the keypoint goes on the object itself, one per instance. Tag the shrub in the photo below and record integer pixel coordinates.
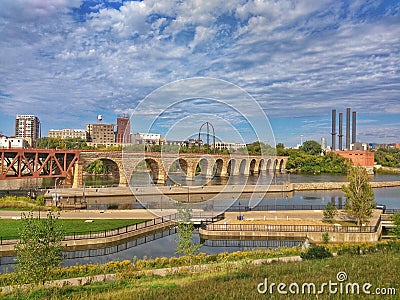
(316, 252)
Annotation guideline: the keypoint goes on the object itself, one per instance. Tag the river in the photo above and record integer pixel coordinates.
(163, 244)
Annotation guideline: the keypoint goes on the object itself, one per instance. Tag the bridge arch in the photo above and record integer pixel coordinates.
(145, 166)
(202, 167)
(252, 168)
(107, 167)
(261, 166)
(268, 166)
(242, 167)
(218, 167)
(178, 171)
(230, 170)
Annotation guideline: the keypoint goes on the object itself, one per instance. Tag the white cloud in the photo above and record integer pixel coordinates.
(294, 57)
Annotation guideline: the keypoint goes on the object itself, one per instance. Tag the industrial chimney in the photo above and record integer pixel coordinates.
(354, 128)
(333, 129)
(340, 135)
(348, 128)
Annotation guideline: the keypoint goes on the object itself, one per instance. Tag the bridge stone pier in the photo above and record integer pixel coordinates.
(122, 165)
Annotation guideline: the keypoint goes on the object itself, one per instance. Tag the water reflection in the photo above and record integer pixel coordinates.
(145, 179)
(157, 244)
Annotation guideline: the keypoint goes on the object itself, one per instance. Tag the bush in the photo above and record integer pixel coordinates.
(316, 252)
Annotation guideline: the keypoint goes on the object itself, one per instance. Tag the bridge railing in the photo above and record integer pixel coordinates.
(391, 211)
(292, 228)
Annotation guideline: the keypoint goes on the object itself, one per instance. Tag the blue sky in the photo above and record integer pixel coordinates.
(67, 61)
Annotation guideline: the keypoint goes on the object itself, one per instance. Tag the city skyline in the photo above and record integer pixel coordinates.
(68, 61)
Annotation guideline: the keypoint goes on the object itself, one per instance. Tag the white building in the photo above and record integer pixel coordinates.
(13, 142)
(68, 133)
(145, 138)
(229, 146)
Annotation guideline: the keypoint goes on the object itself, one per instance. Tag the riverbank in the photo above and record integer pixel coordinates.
(230, 278)
(73, 194)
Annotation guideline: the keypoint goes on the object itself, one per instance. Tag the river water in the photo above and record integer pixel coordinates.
(163, 243)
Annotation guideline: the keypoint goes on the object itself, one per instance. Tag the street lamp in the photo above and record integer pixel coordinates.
(55, 190)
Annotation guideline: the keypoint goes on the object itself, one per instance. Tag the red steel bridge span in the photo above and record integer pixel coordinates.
(37, 163)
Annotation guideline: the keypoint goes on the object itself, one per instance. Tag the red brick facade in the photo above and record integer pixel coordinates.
(359, 158)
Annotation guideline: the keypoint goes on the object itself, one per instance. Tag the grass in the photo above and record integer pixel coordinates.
(9, 228)
(227, 280)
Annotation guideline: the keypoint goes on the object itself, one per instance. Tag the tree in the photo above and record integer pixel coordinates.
(360, 196)
(311, 147)
(329, 212)
(396, 230)
(39, 248)
(40, 201)
(185, 244)
(97, 167)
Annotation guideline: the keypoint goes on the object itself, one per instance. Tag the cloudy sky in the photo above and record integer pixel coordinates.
(67, 61)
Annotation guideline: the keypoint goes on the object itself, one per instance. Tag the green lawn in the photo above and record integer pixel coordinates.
(9, 228)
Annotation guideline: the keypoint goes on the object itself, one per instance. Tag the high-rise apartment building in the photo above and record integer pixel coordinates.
(102, 134)
(123, 135)
(28, 128)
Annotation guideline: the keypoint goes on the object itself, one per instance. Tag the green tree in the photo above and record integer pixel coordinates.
(185, 244)
(396, 230)
(40, 201)
(311, 147)
(97, 167)
(360, 196)
(329, 212)
(39, 248)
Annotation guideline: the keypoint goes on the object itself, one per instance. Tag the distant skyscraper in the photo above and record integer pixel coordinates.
(323, 143)
(123, 135)
(27, 127)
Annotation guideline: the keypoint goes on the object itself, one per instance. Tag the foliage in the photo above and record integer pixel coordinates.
(366, 248)
(39, 248)
(301, 161)
(396, 230)
(59, 143)
(97, 167)
(330, 212)
(388, 157)
(316, 252)
(258, 148)
(325, 238)
(312, 147)
(235, 281)
(40, 200)
(17, 202)
(360, 196)
(185, 244)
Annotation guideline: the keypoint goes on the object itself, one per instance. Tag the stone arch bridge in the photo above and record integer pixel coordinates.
(124, 164)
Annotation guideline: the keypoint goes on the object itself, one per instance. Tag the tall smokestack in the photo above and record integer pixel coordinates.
(340, 135)
(354, 128)
(333, 129)
(348, 128)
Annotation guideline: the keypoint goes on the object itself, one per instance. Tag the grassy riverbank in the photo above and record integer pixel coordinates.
(9, 228)
(225, 279)
(231, 276)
